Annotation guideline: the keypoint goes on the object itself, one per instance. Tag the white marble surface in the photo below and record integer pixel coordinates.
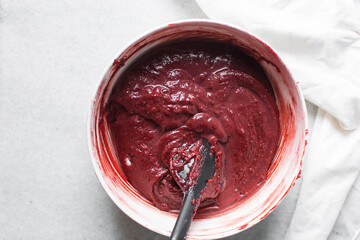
(52, 55)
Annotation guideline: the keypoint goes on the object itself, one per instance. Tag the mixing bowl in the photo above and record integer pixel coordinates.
(286, 164)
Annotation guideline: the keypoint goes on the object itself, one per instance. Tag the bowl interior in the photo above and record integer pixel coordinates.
(285, 166)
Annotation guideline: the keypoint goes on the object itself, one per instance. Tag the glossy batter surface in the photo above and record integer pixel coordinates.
(179, 93)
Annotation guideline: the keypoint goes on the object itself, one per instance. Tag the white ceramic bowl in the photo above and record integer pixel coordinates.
(285, 166)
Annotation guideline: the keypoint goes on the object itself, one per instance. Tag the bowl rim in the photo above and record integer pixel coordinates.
(97, 169)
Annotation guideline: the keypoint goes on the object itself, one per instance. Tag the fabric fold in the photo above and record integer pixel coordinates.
(328, 175)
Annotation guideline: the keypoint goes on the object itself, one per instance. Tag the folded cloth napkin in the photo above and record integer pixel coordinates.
(320, 43)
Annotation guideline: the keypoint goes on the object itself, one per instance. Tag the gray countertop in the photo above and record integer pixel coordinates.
(52, 55)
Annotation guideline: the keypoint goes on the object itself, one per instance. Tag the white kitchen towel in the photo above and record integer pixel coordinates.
(320, 43)
(329, 173)
(348, 223)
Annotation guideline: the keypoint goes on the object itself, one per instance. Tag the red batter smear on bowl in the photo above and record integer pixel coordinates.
(177, 94)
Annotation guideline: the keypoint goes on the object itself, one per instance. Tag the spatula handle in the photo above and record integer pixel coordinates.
(183, 221)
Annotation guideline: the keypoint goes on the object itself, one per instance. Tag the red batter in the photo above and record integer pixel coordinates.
(179, 93)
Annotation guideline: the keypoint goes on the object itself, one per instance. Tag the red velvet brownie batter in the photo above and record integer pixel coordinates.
(177, 94)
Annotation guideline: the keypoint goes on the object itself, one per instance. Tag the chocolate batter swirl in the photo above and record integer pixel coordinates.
(179, 93)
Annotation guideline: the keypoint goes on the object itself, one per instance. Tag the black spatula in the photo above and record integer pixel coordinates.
(190, 203)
